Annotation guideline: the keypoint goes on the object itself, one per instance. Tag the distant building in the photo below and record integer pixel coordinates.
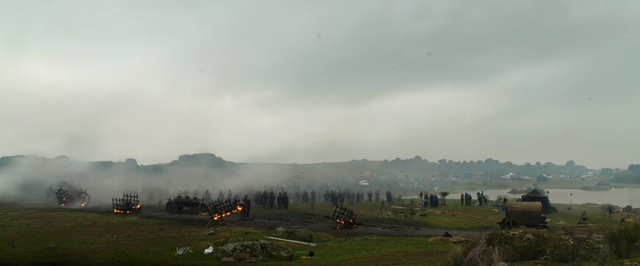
(509, 176)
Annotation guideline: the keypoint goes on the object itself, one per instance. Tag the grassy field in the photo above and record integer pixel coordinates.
(78, 236)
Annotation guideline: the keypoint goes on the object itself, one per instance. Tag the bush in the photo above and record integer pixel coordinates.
(460, 253)
(456, 258)
(623, 240)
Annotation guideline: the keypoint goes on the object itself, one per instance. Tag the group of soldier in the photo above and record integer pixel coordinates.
(270, 200)
(280, 200)
(466, 199)
(430, 200)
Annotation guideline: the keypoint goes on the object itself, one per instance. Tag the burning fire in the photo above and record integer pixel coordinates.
(123, 211)
(217, 216)
(340, 221)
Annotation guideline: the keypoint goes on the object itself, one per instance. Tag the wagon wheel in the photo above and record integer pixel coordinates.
(84, 199)
(128, 206)
(171, 207)
(511, 224)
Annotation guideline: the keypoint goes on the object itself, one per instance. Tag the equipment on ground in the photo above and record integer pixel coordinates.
(224, 208)
(528, 214)
(72, 197)
(129, 203)
(584, 219)
(345, 218)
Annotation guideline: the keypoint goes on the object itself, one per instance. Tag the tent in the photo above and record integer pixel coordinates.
(541, 196)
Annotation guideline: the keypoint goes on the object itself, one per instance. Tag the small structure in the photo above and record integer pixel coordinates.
(222, 208)
(129, 203)
(345, 218)
(584, 219)
(528, 214)
(72, 197)
(538, 195)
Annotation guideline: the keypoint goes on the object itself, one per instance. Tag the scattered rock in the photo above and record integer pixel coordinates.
(274, 250)
(241, 256)
(294, 233)
(228, 259)
(250, 247)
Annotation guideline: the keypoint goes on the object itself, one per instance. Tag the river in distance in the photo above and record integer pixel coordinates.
(616, 196)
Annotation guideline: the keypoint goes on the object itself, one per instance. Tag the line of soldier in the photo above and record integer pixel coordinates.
(269, 199)
(339, 197)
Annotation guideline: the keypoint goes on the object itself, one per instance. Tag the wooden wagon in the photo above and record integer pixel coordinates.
(527, 214)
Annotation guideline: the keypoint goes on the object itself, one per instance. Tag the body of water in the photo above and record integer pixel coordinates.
(616, 196)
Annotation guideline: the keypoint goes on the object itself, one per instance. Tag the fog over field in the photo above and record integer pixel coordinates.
(28, 179)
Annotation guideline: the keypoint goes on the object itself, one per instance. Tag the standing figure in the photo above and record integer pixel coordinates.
(285, 200)
(265, 199)
(247, 207)
(272, 199)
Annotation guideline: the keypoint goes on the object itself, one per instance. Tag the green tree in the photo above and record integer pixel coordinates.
(131, 161)
(542, 178)
(606, 172)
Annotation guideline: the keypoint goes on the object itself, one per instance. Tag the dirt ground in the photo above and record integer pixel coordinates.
(319, 223)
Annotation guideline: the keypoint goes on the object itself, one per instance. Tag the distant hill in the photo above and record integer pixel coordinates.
(489, 168)
(27, 177)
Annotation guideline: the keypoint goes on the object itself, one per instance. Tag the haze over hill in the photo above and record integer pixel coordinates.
(28, 177)
(300, 81)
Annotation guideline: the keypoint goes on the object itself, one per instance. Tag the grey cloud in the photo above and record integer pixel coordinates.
(321, 81)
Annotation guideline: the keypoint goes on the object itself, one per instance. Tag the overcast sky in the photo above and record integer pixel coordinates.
(322, 81)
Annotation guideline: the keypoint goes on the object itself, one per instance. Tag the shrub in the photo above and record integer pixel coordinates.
(456, 258)
(623, 240)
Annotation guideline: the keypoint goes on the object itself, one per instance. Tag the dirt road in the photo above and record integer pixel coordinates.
(319, 223)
